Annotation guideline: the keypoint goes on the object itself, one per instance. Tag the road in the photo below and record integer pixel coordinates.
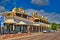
(44, 36)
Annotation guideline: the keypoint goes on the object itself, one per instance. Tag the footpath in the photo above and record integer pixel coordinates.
(23, 36)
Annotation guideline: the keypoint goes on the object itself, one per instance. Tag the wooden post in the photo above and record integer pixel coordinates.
(21, 28)
(36, 28)
(5, 28)
(28, 28)
(13, 27)
(39, 28)
(32, 29)
(0, 26)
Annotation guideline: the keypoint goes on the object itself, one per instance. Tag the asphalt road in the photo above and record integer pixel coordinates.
(44, 36)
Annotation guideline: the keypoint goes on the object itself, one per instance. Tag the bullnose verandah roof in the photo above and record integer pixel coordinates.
(23, 22)
(40, 23)
(9, 21)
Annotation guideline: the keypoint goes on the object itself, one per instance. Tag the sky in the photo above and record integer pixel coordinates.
(49, 8)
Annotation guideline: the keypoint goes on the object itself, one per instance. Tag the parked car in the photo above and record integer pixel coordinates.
(52, 30)
(46, 31)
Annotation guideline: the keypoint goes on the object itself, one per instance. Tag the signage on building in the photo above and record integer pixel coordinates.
(2, 24)
(1, 21)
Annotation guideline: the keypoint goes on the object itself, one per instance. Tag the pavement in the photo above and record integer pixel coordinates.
(24, 36)
(40, 36)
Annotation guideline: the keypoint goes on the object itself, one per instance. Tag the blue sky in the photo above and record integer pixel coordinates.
(49, 8)
(53, 5)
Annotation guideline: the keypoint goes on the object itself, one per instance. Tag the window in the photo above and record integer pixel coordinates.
(36, 20)
(18, 28)
(24, 16)
(18, 14)
(24, 28)
(8, 14)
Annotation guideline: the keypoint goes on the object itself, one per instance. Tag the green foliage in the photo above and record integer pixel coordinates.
(59, 26)
(54, 26)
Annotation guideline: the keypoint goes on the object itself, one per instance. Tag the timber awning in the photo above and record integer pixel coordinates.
(45, 25)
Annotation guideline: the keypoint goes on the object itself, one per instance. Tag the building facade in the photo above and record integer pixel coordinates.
(19, 21)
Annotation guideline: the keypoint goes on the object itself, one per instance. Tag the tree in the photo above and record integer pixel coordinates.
(54, 26)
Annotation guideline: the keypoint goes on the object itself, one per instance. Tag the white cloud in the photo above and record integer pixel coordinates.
(52, 17)
(2, 9)
(10, 2)
(40, 2)
(6, 0)
(30, 11)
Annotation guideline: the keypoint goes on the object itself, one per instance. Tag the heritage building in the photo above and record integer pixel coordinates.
(19, 21)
